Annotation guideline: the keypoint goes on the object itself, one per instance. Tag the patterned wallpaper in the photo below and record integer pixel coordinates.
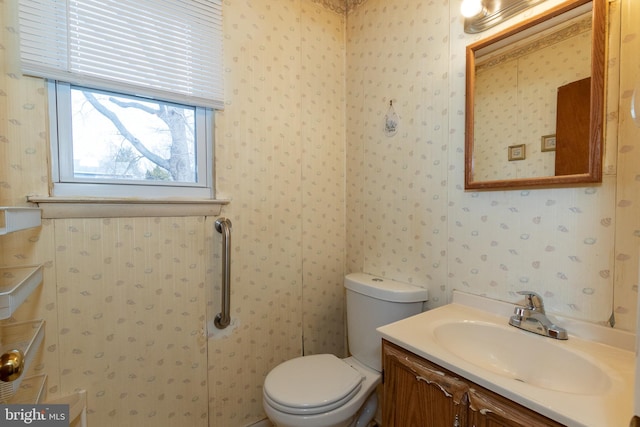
(131, 299)
(317, 190)
(627, 232)
(397, 186)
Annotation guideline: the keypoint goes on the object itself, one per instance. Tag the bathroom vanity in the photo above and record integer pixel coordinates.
(418, 392)
(463, 365)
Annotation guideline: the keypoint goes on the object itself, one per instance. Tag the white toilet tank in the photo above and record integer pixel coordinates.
(373, 302)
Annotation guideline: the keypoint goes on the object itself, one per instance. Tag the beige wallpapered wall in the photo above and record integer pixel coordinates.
(128, 300)
(317, 190)
(627, 205)
(397, 186)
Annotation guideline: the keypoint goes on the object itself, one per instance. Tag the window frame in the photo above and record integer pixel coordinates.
(64, 184)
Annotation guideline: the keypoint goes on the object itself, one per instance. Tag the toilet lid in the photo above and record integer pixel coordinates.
(311, 384)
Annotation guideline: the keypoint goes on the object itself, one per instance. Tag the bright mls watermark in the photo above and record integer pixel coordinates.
(34, 415)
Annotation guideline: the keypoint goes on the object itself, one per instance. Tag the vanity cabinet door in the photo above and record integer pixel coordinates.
(419, 394)
(488, 409)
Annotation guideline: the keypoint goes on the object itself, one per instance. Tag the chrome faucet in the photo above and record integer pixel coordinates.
(531, 317)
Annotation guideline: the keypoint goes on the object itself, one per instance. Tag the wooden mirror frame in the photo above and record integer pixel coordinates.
(596, 132)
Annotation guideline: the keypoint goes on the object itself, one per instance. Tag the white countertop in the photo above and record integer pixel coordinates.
(612, 350)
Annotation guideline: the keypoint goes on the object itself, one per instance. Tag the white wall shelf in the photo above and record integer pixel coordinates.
(15, 219)
(16, 284)
(31, 390)
(26, 337)
(19, 342)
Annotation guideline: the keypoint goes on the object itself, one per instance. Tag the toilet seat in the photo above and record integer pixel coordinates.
(311, 384)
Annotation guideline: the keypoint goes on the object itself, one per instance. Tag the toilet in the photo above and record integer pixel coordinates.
(325, 391)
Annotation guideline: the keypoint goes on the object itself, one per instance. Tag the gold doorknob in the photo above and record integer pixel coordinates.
(11, 365)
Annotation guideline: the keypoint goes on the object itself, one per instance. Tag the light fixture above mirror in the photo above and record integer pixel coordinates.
(481, 15)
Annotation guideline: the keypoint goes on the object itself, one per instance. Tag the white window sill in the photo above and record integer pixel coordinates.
(86, 207)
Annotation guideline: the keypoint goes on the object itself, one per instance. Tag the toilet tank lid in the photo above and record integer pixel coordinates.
(384, 289)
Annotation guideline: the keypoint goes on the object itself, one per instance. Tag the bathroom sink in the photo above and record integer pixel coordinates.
(585, 381)
(522, 356)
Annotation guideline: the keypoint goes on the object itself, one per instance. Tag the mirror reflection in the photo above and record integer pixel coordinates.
(532, 115)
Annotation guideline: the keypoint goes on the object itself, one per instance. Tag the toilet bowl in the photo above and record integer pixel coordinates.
(319, 391)
(325, 391)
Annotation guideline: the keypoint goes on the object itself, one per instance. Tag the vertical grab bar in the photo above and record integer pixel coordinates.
(223, 319)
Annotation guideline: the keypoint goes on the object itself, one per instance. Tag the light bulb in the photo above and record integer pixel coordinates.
(470, 8)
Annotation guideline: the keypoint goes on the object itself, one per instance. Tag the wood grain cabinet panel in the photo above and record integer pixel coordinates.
(488, 409)
(572, 128)
(419, 393)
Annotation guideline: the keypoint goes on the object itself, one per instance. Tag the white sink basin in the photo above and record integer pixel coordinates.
(522, 356)
(585, 381)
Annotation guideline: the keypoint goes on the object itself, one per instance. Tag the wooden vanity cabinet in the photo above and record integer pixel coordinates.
(418, 393)
(488, 409)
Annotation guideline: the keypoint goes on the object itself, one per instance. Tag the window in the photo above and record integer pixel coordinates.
(114, 145)
(135, 116)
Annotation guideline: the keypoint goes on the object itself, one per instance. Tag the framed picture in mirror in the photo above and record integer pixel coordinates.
(517, 152)
(548, 143)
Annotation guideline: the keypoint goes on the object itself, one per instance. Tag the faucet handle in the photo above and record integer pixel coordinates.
(519, 313)
(533, 301)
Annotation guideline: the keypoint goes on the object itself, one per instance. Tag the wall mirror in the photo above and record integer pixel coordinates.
(535, 101)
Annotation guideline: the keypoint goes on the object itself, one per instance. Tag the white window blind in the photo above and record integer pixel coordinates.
(164, 49)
